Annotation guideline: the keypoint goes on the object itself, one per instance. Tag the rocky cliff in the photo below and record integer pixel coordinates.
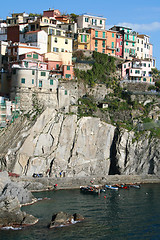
(82, 147)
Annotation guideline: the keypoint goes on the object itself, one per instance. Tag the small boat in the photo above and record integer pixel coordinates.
(134, 186)
(111, 187)
(89, 190)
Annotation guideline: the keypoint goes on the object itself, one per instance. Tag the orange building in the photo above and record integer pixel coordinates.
(111, 43)
(98, 40)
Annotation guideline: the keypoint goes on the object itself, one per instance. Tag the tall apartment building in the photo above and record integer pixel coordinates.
(129, 41)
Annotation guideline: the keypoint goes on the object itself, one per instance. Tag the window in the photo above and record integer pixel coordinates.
(43, 74)
(65, 92)
(127, 43)
(22, 80)
(32, 81)
(66, 41)
(29, 55)
(68, 67)
(127, 30)
(104, 34)
(133, 38)
(125, 36)
(26, 64)
(86, 19)
(68, 76)
(57, 66)
(33, 72)
(121, 43)
(144, 79)
(96, 33)
(55, 49)
(103, 44)
(144, 64)
(141, 49)
(62, 49)
(149, 65)
(133, 44)
(137, 48)
(112, 44)
(35, 56)
(40, 83)
(131, 70)
(96, 49)
(124, 65)
(55, 40)
(142, 41)
(112, 51)
(138, 40)
(96, 43)
(103, 50)
(127, 50)
(83, 38)
(113, 35)
(100, 21)
(14, 71)
(51, 81)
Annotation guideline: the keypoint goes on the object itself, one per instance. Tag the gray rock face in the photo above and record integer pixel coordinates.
(80, 148)
(16, 190)
(4, 179)
(11, 215)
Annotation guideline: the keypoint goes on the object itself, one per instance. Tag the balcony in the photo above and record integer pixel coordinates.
(110, 48)
(101, 38)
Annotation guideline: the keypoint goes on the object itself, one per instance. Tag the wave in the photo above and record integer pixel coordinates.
(11, 228)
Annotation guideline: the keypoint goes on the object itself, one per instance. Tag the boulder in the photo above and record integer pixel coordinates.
(64, 219)
(11, 215)
(17, 190)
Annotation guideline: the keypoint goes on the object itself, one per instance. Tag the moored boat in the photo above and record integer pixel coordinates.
(111, 187)
(89, 190)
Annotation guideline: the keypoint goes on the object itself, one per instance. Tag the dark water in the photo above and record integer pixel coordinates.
(123, 214)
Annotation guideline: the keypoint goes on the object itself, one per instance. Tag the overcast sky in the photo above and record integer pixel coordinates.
(142, 16)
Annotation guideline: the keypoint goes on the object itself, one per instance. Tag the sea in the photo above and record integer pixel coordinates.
(123, 214)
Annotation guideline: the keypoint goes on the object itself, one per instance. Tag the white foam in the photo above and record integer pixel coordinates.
(11, 228)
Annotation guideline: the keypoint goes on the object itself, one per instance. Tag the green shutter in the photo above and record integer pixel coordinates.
(85, 38)
(22, 80)
(51, 81)
(35, 56)
(81, 38)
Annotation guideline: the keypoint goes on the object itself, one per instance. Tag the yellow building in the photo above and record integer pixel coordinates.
(83, 41)
(58, 41)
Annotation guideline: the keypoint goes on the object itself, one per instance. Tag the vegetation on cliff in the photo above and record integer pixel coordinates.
(121, 109)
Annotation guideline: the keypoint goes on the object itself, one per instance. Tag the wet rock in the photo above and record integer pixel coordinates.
(64, 219)
(11, 215)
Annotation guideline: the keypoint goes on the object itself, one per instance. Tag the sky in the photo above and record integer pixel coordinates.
(142, 16)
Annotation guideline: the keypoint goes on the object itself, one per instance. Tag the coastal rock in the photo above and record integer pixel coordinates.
(14, 189)
(11, 215)
(84, 147)
(63, 219)
(4, 179)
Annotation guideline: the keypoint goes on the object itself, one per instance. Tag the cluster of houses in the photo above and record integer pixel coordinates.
(36, 50)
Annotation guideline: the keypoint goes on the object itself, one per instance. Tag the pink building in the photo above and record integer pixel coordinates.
(51, 13)
(32, 59)
(119, 45)
(58, 68)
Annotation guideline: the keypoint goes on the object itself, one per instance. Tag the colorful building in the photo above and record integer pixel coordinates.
(82, 40)
(98, 40)
(119, 45)
(111, 42)
(129, 41)
(58, 41)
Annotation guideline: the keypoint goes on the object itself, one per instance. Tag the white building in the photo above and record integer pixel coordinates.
(90, 21)
(139, 70)
(36, 38)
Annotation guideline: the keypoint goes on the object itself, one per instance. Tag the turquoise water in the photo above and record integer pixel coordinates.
(123, 214)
